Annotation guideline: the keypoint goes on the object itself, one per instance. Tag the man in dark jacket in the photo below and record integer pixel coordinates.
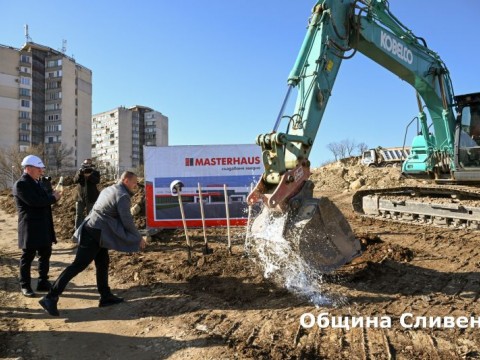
(35, 223)
(109, 225)
(87, 179)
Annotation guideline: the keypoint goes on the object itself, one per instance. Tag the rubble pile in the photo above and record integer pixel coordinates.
(351, 175)
(347, 175)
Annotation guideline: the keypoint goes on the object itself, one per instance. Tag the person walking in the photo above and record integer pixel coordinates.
(36, 233)
(109, 225)
(86, 178)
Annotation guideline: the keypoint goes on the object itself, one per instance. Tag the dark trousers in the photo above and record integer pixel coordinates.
(80, 209)
(26, 260)
(88, 250)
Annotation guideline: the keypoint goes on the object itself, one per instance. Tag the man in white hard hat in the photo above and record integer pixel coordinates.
(35, 223)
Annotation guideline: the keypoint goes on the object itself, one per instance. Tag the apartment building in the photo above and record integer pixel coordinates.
(45, 98)
(118, 136)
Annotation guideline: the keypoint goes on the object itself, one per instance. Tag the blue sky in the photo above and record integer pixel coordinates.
(218, 68)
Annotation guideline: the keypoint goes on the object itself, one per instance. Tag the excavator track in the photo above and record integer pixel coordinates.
(447, 206)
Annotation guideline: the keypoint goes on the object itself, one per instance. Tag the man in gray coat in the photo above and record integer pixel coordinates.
(35, 223)
(109, 225)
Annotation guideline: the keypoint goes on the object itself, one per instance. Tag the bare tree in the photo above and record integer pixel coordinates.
(11, 163)
(345, 148)
(60, 157)
(335, 149)
(348, 146)
(7, 170)
(362, 147)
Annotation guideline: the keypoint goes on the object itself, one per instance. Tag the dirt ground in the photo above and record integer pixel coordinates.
(221, 306)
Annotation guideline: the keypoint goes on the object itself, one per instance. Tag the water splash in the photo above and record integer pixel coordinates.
(279, 262)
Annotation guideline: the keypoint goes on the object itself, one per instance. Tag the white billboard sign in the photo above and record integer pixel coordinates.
(212, 166)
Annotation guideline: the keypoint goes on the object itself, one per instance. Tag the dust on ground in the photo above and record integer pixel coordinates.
(220, 306)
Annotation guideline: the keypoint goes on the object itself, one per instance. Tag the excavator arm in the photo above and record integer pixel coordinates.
(336, 31)
(285, 154)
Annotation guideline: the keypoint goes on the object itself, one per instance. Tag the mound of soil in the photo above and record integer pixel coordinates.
(224, 300)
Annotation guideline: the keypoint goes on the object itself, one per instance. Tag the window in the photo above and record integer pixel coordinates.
(53, 84)
(24, 115)
(25, 103)
(24, 92)
(24, 80)
(55, 106)
(55, 95)
(25, 58)
(54, 63)
(25, 126)
(24, 137)
(53, 128)
(53, 117)
(54, 74)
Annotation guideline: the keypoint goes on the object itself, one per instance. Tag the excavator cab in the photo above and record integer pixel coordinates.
(468, 131)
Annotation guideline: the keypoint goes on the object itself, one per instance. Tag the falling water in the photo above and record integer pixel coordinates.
(265, 242)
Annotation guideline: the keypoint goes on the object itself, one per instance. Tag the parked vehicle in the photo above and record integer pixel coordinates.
(380, 156)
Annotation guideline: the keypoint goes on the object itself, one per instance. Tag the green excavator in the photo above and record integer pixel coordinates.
(445, 149)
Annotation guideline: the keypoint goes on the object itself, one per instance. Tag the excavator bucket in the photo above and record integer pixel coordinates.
(317, 232)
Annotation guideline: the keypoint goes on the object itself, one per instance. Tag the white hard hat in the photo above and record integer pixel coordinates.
(176, 187)
(32, 160)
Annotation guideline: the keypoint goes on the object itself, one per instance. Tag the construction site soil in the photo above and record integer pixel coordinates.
(220, 306)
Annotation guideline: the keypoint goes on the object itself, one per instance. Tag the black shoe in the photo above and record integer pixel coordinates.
(43, 285)
(50, 305)
(27, 291)
(110, 299)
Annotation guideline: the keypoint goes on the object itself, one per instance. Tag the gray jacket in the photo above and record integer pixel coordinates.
(111, 215)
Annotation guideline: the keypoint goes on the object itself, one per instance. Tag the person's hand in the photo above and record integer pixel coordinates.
(57, 195)
(135, 210)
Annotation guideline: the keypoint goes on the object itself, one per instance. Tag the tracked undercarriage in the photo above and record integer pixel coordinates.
(440, 206)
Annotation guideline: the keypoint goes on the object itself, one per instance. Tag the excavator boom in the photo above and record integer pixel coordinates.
(336, 31)
(316, 228)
